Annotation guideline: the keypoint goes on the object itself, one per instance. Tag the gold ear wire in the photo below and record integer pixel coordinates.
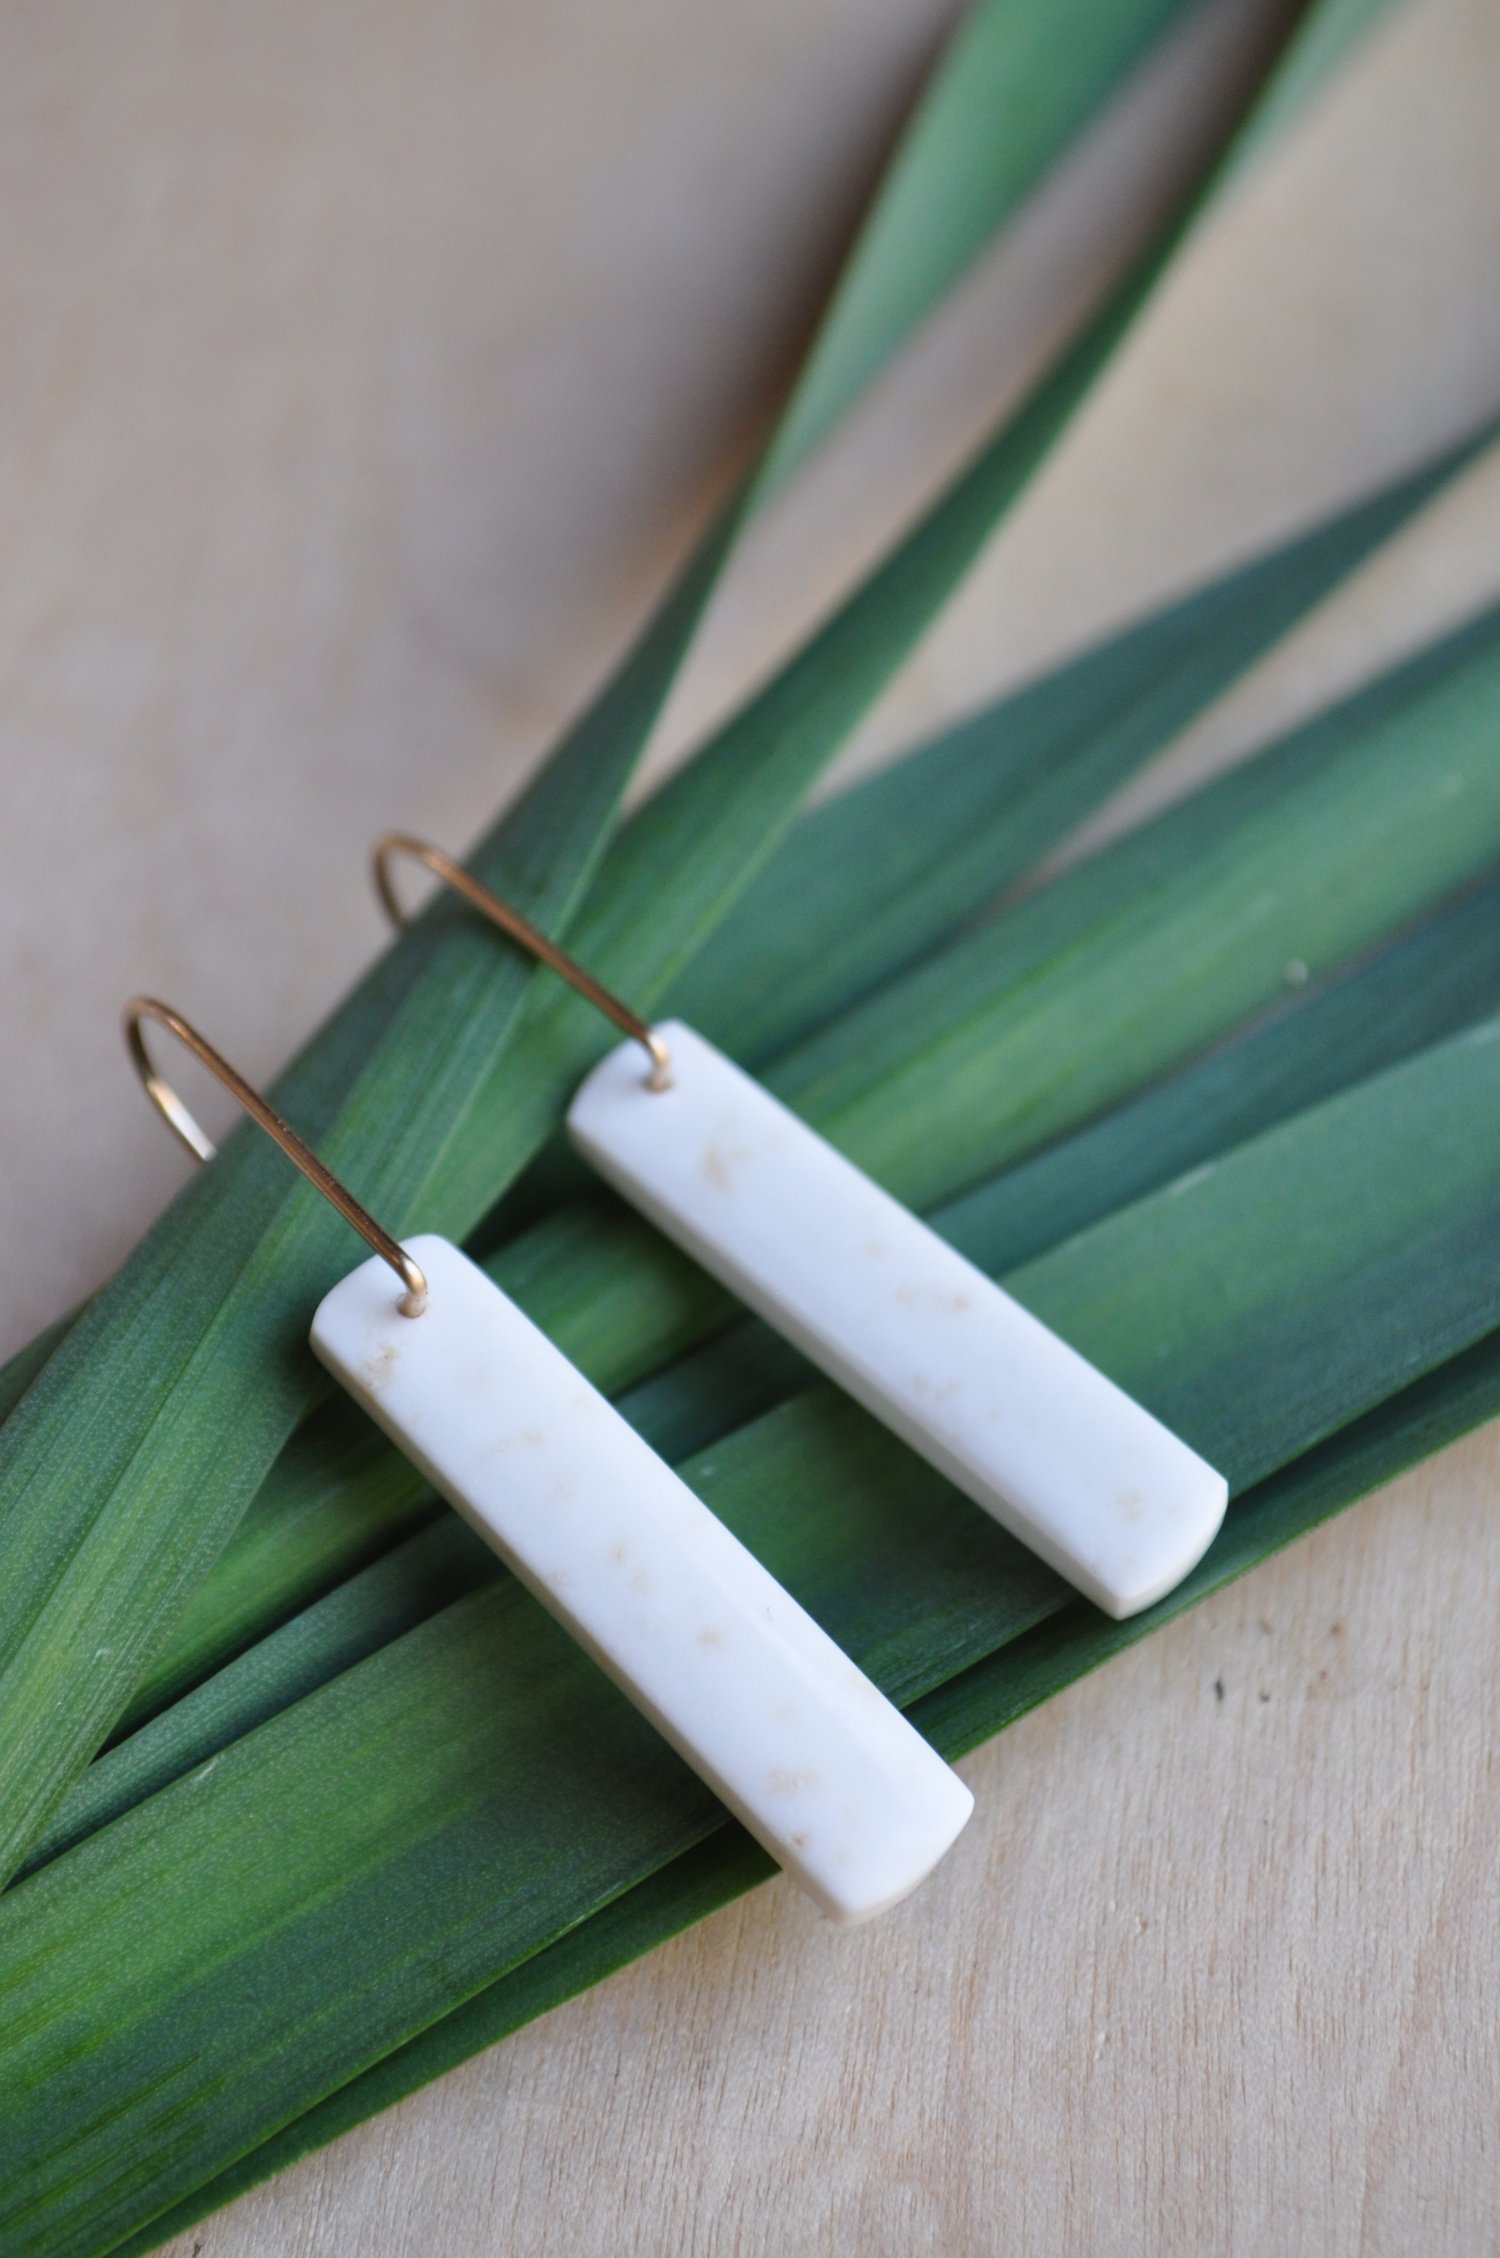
(184, 1126)
(519, 928)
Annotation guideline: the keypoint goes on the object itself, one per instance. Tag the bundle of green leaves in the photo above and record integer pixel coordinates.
(1270, 1211)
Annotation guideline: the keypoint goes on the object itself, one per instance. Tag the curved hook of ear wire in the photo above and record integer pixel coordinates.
(183, 1126)
(520, 929)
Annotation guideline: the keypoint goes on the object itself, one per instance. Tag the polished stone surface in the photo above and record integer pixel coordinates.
(1022, 1423)
(823, 1770)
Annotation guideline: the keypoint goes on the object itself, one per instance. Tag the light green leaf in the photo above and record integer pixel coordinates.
(1323, 43)
(1016, 85)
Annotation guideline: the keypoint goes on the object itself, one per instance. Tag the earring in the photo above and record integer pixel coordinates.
(1020, 1422)
(805, 1751)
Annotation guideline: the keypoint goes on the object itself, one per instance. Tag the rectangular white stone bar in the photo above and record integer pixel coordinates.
(821, 1768)
(1018, 1420)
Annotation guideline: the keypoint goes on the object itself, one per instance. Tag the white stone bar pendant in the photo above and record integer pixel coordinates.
(821, 1768)
(1024, 1425)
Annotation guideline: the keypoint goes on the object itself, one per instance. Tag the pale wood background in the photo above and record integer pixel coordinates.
(363, 367)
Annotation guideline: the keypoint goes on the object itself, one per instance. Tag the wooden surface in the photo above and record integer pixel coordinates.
(363, 369)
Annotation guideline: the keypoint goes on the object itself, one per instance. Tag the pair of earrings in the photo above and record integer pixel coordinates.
(805, 1751)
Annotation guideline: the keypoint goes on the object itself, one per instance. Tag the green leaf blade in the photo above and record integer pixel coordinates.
(918, 1584)
(872, 880)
